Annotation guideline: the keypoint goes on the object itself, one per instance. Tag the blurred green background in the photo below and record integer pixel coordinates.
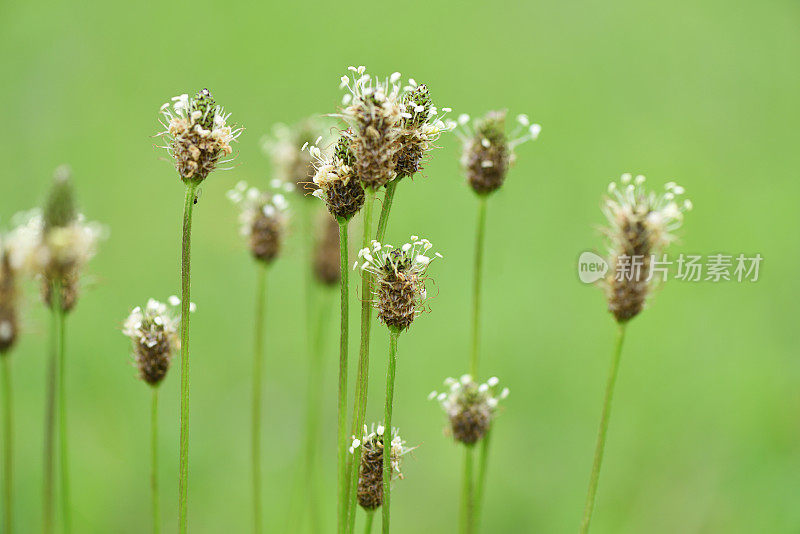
(704, 437)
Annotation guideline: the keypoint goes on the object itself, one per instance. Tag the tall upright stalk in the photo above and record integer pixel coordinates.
(48, 497)
(362, 375)
(386, 208)
(183, 469)
(66, 509)
(368, 521)
(391, 369)
(154, 460)
(601, 434)
(8, 444)
(480, 481)
(258, 356)
(342, 393)
(476, 290)
(467, 523)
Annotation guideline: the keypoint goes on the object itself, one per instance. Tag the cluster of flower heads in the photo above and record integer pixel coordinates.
(263, 219)
(470, 406)
(198, 134)
(154, 333)
(488, 151)
(392, 127)
(399, 275)
(642, 223)
(292, 164)
(370, 475)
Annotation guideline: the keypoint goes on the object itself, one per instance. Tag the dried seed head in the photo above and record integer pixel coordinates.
(370, 474)
(326, 253)
(420, 128)
(8, 302)
(488, 152)
(335, 179)
(641, 224)
(470, 406)
(400, 293)
(374, 113)
(154, 334)
(263, 218)
(294, 166)
(198, 135)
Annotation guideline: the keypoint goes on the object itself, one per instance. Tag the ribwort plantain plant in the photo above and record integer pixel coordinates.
(487, 155)
(641, 223)
(399, 296)
(263, 223)
(153, 331)
(198, 138)
(338, 186)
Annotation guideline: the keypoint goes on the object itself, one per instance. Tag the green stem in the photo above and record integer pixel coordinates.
(467, 493)
(48, 504)
(66, 509)
(183, 468)
(8, 443)
(476, 294)
(387, 428)
(154, 462)
(481, 481)
(362, 375)
(601, 435)
(383, 220)
(368, 521)
(342, 393)
(258, 356)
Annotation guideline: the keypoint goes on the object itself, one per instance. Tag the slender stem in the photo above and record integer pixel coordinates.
(154, 462)
(48, 504)
(362, 375)
(368, 521)
(183, 469)
(601, 435)
(258, 356)
(8, 444)
(383, 220)
(481, 480)
(342, 393)
(467, 493)
(66, 509)
(387, 428)
(476, 294)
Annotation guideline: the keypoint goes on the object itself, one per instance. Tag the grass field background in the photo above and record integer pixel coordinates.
(704, 437)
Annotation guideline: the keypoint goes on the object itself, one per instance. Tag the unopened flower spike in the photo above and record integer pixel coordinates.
(198, 135)
(641, 223)
(470, 407)
(370, 475)
(293, 166)
(400, 293)
(154, 333)
(374, 113)
(420, 128)
(15, 248)
(335, 179)
(488, 151)
(263, 219)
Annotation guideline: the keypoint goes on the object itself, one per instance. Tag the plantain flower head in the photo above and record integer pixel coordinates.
(370, 474)
(641, 224)
(470, 406)
(293, 165)
(263, 218)
(335, 179)
(197, 135)
(488, 151)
